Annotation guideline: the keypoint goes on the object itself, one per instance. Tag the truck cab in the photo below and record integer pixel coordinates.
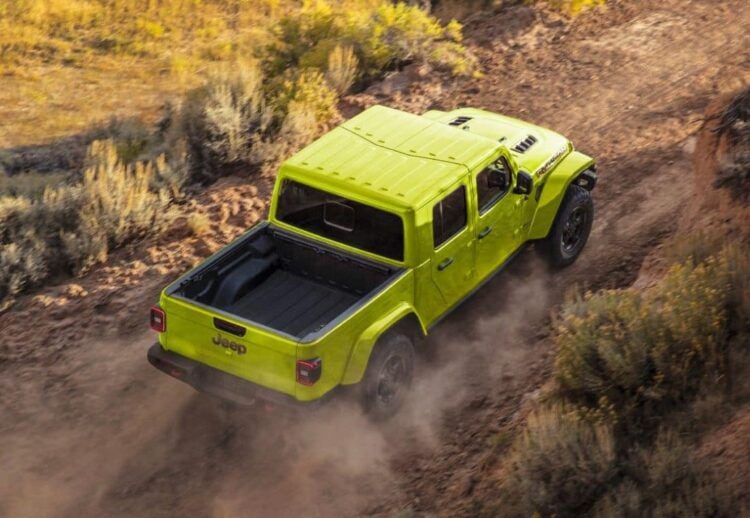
(376, 231)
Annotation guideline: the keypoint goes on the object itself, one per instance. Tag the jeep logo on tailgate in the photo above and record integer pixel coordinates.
(228, 344)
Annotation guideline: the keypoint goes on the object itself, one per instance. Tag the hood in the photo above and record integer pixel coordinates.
(534, 148)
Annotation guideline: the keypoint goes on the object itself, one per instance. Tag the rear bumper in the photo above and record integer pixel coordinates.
(217, 383)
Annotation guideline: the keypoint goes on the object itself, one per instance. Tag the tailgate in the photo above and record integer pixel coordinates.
(259, 356)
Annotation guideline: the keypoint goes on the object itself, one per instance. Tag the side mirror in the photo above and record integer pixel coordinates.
(524, 183)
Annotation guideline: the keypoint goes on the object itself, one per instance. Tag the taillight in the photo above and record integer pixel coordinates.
(158, 319)
(308, 371)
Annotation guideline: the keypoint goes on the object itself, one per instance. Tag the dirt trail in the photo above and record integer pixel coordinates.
(88, 428)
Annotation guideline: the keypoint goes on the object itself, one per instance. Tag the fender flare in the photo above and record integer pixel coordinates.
(553, 191)
(360, 355)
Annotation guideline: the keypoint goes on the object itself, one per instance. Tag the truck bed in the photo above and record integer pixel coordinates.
(292, 304)
(284, 282)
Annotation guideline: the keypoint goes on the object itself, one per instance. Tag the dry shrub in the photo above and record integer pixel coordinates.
(71, 228)
(220, 121)
(383, 37)
(629, 358)
(239, 122)
(634, 370)
(118, 205)
(342, 69)
(666, 479)
(559, 466)
(695, 247)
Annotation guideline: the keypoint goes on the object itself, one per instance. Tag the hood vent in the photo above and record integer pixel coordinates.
(525, 144)
(459, 121)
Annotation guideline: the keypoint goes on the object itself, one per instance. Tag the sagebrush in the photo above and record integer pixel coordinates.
(72, 227)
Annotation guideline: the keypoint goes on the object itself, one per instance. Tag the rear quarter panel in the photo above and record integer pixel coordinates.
(345, 350)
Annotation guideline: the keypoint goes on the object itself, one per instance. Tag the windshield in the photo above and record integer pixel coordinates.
(343, 220)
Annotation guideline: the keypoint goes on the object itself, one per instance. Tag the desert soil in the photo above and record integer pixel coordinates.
(88, 428)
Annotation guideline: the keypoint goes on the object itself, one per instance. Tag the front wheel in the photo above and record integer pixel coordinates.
(388, 376)
(571, 228)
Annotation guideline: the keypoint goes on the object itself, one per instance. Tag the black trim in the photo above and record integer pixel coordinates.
(220, 384)
(460, 120)
(525, 144)
(232, 329)
(587, 179)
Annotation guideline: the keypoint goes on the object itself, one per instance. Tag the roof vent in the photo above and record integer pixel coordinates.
(525, 144)
(459, 121)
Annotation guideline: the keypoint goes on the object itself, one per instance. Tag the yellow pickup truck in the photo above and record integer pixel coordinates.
(376, 231)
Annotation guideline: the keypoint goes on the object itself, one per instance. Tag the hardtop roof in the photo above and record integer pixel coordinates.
(391, 156)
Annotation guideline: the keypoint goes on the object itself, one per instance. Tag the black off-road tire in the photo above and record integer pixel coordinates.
(571, 229)
(388, 377)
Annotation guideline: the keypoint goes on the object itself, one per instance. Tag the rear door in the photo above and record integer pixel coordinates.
(498, 216)
(453, 243)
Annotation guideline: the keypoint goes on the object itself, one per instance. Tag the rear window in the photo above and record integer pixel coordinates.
(343, 220)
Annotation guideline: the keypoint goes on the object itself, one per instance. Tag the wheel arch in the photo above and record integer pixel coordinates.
(576, 165)
(403, 318)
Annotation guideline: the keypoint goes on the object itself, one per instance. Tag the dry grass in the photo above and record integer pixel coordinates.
(67, 63)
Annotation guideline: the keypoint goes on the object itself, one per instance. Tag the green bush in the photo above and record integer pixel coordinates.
(560, 466)
(628, 358)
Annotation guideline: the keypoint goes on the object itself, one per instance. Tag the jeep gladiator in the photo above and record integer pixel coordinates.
(376, 231)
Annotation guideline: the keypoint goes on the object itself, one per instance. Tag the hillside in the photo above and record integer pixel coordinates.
(90, 429)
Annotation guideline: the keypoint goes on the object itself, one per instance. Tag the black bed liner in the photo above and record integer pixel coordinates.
(284, 282)
(292, 304)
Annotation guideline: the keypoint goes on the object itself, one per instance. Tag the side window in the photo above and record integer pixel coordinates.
(492, 184)
(449, 216)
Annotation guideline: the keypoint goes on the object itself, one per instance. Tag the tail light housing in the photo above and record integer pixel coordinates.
(309, 371)
(158, 319)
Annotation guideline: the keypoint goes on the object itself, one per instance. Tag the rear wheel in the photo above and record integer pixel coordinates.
(388, 377)
(571, 228)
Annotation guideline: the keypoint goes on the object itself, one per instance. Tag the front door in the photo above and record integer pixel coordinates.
(453, 241)
(499, 217)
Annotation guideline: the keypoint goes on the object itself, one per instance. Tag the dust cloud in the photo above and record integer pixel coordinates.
(102, 433)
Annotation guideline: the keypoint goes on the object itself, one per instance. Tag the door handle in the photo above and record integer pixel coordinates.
(484, 233)
(445, 263)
